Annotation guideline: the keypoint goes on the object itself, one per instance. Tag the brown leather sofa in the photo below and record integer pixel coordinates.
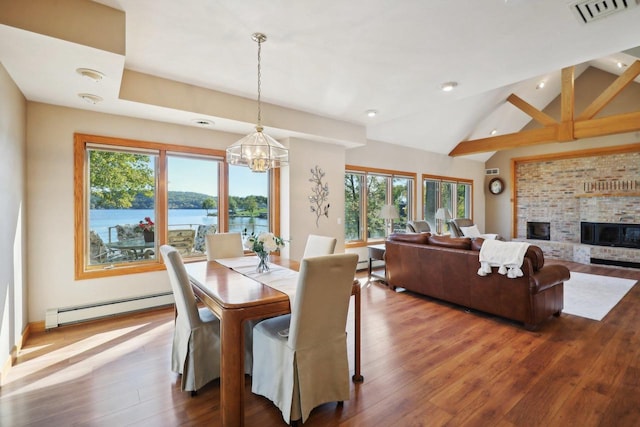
(446, 268)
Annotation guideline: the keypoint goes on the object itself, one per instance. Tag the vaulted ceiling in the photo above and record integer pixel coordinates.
(324, 65)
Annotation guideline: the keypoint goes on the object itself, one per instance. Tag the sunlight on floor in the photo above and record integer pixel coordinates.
(83, 355)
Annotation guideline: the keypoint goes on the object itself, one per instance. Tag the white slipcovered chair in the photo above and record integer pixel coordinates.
(229, 245)
(319, 246)
(301, 358)
(196, 340)
(224, 245)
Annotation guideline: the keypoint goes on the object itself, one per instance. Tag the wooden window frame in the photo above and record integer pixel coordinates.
(391, 174)
(82, 141)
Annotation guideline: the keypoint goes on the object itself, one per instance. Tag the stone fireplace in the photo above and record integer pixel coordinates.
(569, 191)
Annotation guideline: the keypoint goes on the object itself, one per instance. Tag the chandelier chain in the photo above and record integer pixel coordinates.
(259, 81)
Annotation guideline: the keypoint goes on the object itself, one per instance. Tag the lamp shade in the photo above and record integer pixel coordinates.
(259, 151)
(443, 213)
(389, 212)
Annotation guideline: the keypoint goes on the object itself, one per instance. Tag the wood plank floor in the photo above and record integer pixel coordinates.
(426, 363)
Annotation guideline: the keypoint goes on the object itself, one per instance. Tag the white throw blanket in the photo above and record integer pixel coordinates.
(508, 256)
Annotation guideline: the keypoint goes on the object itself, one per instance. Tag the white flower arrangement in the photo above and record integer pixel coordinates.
(263, 243)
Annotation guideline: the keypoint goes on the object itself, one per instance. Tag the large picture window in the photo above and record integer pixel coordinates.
(453, 194)
(133, 196)
(367, 190)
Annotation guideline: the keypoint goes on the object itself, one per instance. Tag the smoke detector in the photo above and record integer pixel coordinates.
(590, 10)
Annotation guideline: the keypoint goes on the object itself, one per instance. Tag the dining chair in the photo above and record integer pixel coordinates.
(196, 339)
(319, 245)
(300, 359)
(224, 245)
(229, 245)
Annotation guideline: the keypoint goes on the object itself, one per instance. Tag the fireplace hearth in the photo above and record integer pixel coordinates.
(610, 234)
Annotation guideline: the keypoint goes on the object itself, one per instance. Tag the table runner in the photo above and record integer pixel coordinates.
(278, 277)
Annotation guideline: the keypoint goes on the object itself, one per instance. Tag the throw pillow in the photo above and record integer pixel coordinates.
(470, 231)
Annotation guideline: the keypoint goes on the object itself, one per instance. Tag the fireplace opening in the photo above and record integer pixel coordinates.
(538, 230)
(610, 234)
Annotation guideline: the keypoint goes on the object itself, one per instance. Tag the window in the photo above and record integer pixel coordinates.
(367, 190)
(248, 200)
(133, 196)
(454, 194)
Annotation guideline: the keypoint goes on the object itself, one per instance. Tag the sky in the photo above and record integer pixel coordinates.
(201, 176)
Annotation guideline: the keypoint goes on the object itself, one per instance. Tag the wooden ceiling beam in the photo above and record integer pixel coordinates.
(567, 101)
(611, 92)
(505, 142)
(543, 118)
(620, 123)
(569, 128)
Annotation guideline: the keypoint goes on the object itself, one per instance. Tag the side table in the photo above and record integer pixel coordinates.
(376, 253)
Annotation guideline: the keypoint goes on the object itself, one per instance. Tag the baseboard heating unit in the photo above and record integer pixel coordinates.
(67, 315)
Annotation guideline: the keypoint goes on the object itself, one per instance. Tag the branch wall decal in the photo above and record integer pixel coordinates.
(320, 194)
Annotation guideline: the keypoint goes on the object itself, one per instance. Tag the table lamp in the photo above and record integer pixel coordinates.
(389, 213)
(442, 214)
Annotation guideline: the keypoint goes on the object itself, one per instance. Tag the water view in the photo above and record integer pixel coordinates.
(101, 219)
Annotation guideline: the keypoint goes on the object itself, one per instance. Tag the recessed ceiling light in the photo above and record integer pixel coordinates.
(372, 113)
(203, 122)
(448, 86)
(620, 64)
(90, 74)
(90, 98)
(540, 85)
(493, 131)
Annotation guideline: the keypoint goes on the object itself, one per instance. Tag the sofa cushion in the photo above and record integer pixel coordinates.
(470, 231)
(450, 242)
(421, 238)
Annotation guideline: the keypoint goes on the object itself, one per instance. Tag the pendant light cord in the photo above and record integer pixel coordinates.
(259, 89)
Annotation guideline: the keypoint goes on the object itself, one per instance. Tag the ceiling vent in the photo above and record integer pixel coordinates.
(590, 10)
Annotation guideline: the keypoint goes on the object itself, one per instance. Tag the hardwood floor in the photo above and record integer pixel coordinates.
(425, 363)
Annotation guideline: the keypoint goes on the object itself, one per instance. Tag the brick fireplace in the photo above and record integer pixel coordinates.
(568, 191)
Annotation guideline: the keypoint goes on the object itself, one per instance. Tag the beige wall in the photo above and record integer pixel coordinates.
(50, 183)
(13, 279)
(303, 156)
(50, 259)
(387, 156)
(499, 209)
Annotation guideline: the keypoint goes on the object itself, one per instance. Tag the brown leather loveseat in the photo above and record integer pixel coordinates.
(446, 268)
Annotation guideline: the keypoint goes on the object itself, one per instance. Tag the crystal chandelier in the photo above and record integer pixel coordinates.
(258, 151)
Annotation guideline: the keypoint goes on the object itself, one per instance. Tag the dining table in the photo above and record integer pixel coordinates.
(233, 290)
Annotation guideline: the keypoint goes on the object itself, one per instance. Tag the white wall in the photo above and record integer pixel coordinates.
(303, 156)
(387, 156)
(13, 283)
(50, 194)
(50, 260)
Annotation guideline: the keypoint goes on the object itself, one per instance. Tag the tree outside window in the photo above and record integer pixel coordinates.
(366, 192)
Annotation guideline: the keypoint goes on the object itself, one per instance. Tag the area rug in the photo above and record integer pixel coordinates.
(593, 296)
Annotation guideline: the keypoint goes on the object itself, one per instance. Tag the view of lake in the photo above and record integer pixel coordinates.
(101, 219)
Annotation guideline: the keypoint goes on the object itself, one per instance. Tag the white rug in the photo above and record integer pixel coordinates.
(592, 296)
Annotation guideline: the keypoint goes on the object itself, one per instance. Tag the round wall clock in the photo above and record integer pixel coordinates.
(496, 186)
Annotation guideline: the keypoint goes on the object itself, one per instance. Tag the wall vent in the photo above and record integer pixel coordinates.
(494, 171)
(590, 10)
